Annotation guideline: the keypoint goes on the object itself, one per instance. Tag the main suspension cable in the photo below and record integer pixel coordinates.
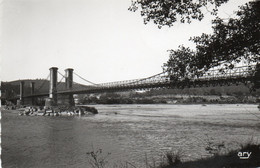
(86, 79)
(72, 81)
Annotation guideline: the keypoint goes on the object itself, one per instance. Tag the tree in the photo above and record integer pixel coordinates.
(232, 41)
(167, 12)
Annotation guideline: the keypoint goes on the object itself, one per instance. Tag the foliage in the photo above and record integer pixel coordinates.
(180, 62)
(97, 159)
(167, 12)
(214, 148)
(232, 41)
(229, 159)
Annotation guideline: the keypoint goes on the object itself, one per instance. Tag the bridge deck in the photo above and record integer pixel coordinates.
(244, 74)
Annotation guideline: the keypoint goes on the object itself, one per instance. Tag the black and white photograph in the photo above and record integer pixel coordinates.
(130, 83)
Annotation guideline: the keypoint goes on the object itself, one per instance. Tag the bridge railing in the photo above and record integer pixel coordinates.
(151, 80)
(164, 78)
(242, 71)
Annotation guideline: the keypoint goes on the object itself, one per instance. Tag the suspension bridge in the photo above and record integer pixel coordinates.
(63, 91)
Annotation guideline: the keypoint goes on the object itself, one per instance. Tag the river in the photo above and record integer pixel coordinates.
(131, 133)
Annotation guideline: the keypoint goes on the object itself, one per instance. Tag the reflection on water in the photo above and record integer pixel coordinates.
(129, 132)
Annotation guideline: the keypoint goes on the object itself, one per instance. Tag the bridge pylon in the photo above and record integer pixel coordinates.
(32, 92)
(53, 85)
(69, 84)
(69, 78)
(21, 99)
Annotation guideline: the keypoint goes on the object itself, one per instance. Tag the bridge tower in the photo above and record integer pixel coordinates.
(21, 101)
(32, 92)
(69, 78)
(69, 84)
(53, 85)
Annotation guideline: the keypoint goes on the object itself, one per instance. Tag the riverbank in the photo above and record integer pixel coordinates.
(171, 99)
(247, 156)
(52, 110)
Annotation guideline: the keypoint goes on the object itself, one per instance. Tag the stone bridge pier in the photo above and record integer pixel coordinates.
(52, 100)
(25, 101)
(55, 99)
(21, 97)
(32, 93)
(67, 99)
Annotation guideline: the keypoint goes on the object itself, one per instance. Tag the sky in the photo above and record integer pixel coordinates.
(100, 39)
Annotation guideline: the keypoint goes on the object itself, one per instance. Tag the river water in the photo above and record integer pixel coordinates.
(131, 133)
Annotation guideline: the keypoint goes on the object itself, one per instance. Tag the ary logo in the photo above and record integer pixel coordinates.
(244, 155)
